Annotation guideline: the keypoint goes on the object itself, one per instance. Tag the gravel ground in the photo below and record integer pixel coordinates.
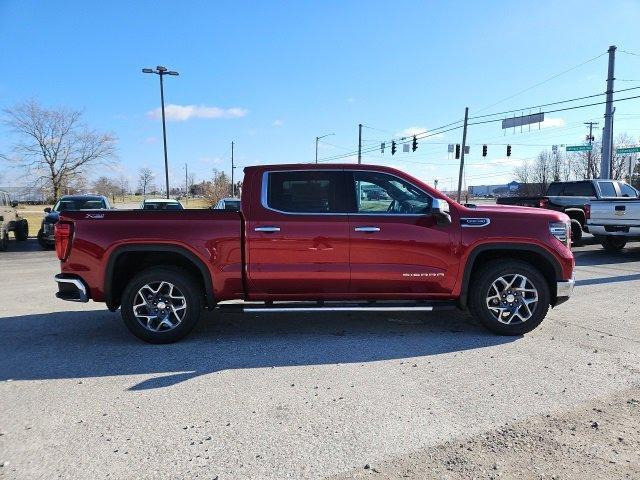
(315, 396)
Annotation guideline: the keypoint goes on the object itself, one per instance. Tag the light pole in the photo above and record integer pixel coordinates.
(161, 72)
(318, 139)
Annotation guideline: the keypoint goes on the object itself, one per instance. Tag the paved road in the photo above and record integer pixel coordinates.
(288, 396)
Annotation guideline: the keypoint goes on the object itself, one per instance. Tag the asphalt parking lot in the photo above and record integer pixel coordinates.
(295, 396)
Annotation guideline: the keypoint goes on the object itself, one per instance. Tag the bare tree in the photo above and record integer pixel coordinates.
(106, 186)
(123, 185)
(542, 171)
(145, 177)
(218, 188)
(55, 144)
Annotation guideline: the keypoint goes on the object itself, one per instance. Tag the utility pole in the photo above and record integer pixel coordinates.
(233, 167)
(186, 183)
(607, 134)
(464, 143)
(359, 143)
(590, 139)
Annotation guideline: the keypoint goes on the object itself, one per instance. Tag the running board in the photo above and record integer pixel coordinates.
(304, 307)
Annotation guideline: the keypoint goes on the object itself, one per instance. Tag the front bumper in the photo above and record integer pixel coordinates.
(564, 289)
(71, 288)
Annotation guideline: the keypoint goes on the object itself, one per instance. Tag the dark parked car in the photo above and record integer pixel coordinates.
(67, 203)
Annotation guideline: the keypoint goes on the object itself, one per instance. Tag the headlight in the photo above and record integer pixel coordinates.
(562, 231)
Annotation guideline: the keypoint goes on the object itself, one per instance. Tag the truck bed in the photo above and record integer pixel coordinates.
(213, 236)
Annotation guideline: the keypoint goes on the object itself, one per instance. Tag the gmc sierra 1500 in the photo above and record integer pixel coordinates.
(307, 238)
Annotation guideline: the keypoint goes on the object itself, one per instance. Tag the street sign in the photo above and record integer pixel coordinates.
(579, 148)
(523, 120)
(620, 151)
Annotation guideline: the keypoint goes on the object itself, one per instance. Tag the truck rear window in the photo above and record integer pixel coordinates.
(306, 192)
(578, 189)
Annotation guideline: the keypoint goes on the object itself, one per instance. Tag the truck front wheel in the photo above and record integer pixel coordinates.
(509, 297)
(161, 304)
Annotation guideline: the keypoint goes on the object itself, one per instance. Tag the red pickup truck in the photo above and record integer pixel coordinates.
(310, 238)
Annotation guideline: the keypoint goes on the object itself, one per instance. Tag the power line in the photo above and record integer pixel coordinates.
(564, 109)
(543, 82)
(550, 104)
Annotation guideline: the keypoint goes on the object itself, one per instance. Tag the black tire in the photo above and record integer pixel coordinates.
(613, 243)
(480, 286)
(576, 232)
(43, 243)
(185, 284)
(22, 230)
(4, 240)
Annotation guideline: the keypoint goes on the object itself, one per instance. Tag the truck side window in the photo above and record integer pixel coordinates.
(579, 189)
(383, 193)
(313, 191)
(627, 190)
(607, 189)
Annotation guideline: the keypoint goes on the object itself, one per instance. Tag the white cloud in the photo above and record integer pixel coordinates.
(181, 113)
(351, 100)
(277, 123)
(550, 122)
(210, 160)
(411, 131)
(151, 140)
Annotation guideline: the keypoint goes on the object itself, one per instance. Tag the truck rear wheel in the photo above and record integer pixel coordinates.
(612, 243)
(4, 240)
(576, 232)
(22, 230)
(509, 297)
(161, 304)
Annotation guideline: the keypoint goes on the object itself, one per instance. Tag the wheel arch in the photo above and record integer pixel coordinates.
(129, 259)
(576, 214)
(532, 254)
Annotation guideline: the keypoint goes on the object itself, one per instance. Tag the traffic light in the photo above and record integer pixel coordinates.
(508, 150)
(414, 145)
(393, 148)
(484, 150)
(457, 151)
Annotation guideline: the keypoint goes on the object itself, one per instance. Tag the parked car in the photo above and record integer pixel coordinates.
(571, 198)
(10, 221)
(161, 204)
(228, 204)
(67, 203)
(304, 241)
(614, 222)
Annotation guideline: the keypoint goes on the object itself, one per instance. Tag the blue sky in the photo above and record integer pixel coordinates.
(273, 75)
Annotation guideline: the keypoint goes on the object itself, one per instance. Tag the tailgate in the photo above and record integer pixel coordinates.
(625, 212)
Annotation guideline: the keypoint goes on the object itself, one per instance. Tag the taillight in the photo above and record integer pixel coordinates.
(543, 203)
(63, 233)
(587, 211)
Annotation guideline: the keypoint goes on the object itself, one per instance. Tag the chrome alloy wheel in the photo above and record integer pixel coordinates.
(512, 299)
(159, 306)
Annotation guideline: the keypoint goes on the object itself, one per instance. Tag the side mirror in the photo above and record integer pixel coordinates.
(47, 210)
(440, 210)
(14, 204)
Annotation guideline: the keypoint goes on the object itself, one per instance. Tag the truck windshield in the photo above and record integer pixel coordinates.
(66, 205)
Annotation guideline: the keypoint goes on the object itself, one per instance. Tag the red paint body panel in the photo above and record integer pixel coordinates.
(214, 236)
(315, 257)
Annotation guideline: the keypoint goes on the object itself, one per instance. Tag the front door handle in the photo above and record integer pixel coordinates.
(267, 229)
(367, 229)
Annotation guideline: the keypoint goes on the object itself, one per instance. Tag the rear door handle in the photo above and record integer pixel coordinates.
(367, 229)
(267, 229)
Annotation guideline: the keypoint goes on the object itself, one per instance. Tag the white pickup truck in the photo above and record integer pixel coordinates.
(614, 221)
